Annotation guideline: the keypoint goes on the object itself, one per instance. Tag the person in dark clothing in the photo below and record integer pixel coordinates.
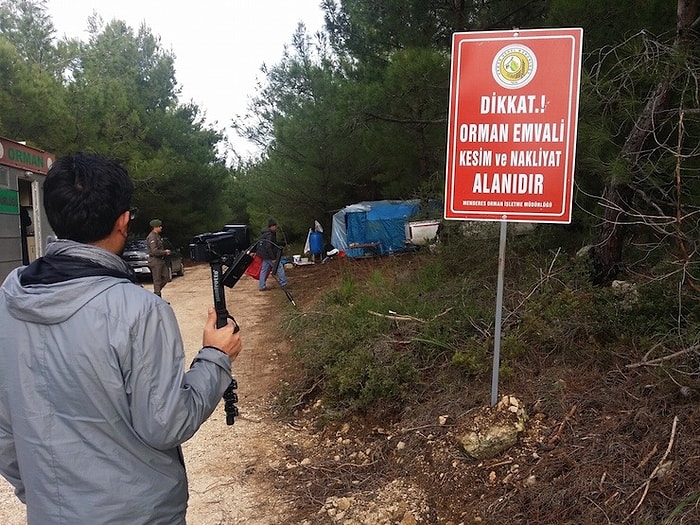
(269, 251)
(156, 256)
(25, 222)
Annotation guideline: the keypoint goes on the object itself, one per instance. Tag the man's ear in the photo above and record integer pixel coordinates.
(121, 225)
(115, 241)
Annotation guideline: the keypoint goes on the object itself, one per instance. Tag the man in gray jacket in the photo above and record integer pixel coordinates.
(94, 397)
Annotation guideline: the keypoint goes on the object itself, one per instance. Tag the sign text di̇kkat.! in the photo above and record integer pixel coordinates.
(511, 148)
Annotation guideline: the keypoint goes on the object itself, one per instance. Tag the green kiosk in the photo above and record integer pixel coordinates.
(23, 223)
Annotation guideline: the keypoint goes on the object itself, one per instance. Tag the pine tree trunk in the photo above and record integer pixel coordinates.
(607, 255)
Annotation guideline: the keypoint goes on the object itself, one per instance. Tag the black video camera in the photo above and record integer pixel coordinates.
(209, 246)
(229, 248)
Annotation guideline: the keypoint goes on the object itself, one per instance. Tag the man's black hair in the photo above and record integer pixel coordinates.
(84, 193)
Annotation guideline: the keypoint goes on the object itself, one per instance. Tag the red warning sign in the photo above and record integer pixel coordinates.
(514, 99)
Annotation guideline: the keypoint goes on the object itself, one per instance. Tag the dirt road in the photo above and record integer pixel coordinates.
(226, 464)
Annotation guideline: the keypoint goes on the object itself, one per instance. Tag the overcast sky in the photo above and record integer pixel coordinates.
(219, 45)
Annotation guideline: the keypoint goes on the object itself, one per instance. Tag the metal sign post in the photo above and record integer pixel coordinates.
(499, 314)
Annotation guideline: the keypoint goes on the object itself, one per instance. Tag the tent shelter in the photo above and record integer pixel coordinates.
(373, 227)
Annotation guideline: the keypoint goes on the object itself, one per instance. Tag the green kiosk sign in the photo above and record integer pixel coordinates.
(9, 201)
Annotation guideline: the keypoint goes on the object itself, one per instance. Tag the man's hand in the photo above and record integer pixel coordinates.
(222, 338)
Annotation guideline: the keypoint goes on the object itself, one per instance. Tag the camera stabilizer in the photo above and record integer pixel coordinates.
(228, 262)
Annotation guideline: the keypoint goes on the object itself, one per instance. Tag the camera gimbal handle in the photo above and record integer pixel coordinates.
(222, 316)
(230, 277)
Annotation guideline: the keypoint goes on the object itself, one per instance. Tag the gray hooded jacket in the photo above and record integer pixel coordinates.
(94, 398)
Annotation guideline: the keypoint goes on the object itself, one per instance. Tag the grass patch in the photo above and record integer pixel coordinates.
(402, 324)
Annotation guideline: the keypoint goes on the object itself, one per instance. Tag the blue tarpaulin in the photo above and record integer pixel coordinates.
(377, 227)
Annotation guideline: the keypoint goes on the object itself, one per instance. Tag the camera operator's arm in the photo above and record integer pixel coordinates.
(221, 338)
(167, 402)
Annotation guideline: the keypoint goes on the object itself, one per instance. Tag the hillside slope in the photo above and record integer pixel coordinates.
(608, 440)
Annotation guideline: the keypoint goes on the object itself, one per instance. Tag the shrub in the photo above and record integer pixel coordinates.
(446, 300)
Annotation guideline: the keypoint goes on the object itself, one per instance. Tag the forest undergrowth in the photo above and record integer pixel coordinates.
(400, 348)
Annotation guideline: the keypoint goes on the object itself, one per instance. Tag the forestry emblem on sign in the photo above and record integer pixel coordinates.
(514, 66)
